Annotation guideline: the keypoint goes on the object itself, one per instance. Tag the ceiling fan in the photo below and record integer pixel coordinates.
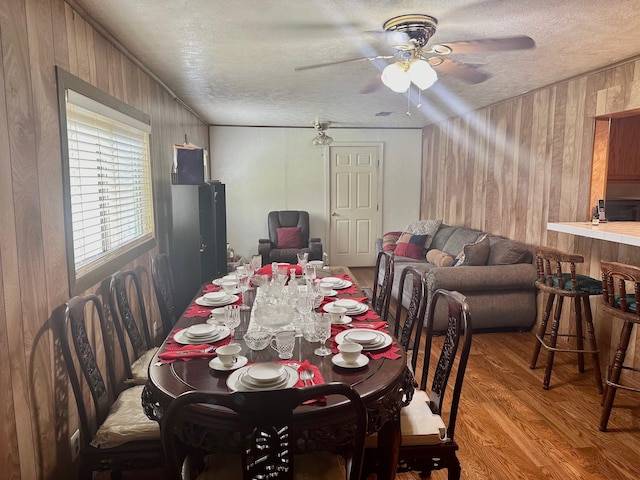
(416, 62)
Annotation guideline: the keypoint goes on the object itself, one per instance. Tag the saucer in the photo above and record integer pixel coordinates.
(216, 364)
(346, 319)
(332, 293)
(340, 362)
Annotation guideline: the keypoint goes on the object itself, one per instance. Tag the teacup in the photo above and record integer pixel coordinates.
(350, 351)
(337, 314)
(228, 354)
(257, 340)
(215, 296)
(283, 343)
(229, 285)
(326, 288)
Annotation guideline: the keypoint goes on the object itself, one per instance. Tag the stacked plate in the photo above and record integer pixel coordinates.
(263, 376)
(368, 338)
(201, 333)
(338, 283)
(353, 307)
(216, 299)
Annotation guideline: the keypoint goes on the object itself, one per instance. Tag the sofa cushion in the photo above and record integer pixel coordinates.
(439, 258)
(474, 254)
(411, 246)
(289, 237)
(461, 237)
(424, 227)
(389, 241)
(508, 252)
(442, 235)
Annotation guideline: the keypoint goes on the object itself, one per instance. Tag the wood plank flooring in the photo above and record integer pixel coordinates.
(510, 428)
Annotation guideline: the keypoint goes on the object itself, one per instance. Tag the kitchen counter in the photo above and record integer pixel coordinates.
(627, 233)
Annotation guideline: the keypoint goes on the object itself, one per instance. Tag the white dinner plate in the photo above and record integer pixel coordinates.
(347, 303)
(216, 364)
(346, 319)
(385, 343)
(180, 337)
(340, 362)
(233, 381)
(317, 263)
(359, 309)
(205, 303)
(265, 373)
(332, 293)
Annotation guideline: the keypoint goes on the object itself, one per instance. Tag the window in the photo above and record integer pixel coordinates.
(108, 184)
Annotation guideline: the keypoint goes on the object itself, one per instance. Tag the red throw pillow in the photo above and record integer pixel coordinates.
(289, 237)
(411, 246)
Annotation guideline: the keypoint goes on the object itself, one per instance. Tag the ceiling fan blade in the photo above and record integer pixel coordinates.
(338, 62)
(466, 73)
(519, 42)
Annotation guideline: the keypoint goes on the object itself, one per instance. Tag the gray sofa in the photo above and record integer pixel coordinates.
(501, 293)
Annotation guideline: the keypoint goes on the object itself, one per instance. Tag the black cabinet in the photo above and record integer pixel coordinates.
(198, 240)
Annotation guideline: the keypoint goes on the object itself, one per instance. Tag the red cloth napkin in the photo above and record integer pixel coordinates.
(266, 270)
(368, 315)
(349, 290)
(317, 377)
(210, 287)
(176, 351)
(335, 329)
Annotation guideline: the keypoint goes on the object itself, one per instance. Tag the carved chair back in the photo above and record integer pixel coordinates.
(552, 265)
(264, 435)
(381, 297)
(621, 290)
(125, 318)
(412, 281)
(163, 285)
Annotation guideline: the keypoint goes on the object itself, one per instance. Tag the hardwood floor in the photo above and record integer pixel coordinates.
(509, 428)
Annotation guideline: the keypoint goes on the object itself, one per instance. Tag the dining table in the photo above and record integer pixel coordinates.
(385, 384)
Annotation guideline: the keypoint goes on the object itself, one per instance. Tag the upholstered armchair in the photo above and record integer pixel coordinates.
(288, 236)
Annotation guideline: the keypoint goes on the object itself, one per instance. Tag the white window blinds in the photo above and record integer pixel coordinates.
(110, 182)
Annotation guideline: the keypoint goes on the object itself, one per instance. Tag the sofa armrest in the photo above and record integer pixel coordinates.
(482, 278)
(264, 249)
(264, 240)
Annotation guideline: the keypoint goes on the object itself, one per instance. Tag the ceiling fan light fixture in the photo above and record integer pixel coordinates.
(396, 77)
(422, 74)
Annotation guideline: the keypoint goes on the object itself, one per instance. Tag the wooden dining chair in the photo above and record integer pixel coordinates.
(162, 277)
(621, 297)
(408, 321)
(381, 292)
(263, 441)
(119, 436)
(132, 318)
(428, 423)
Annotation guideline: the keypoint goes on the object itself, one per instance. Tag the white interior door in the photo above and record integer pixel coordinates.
(354, 204)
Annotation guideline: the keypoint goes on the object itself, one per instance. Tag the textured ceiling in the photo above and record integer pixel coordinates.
(233, 61)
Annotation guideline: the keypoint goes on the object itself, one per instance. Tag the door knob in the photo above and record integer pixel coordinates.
(334, 214)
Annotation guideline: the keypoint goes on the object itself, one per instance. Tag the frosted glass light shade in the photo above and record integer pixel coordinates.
(422, 74)
(396, 77)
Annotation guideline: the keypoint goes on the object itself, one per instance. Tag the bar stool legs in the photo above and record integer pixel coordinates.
(612, 383)
(551, 346)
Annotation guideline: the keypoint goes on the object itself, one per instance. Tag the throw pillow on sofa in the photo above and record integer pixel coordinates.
(289, 237)
(474, 254)
(424, 227)
(389, 241)
(411, 246)
(439, 258)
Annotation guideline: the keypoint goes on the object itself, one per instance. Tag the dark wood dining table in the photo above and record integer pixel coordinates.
(385, 385)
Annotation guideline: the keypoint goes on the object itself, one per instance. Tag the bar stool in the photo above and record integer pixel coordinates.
(620, 304)
(574, 286)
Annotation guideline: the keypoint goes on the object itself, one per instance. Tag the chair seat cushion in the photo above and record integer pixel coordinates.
(126, 422)
(418, 425)
(585, 283)
(631, 302)
(316, 466)
(140, 368)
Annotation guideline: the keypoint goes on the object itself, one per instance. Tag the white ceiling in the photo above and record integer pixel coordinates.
(233, 61)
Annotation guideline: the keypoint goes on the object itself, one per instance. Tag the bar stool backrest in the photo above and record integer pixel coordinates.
(549, 265)
(621, 290)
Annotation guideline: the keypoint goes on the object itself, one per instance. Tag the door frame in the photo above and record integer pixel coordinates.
(380, 196)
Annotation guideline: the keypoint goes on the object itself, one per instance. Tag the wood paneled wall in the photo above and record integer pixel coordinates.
(510, 168)
(37, 413)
